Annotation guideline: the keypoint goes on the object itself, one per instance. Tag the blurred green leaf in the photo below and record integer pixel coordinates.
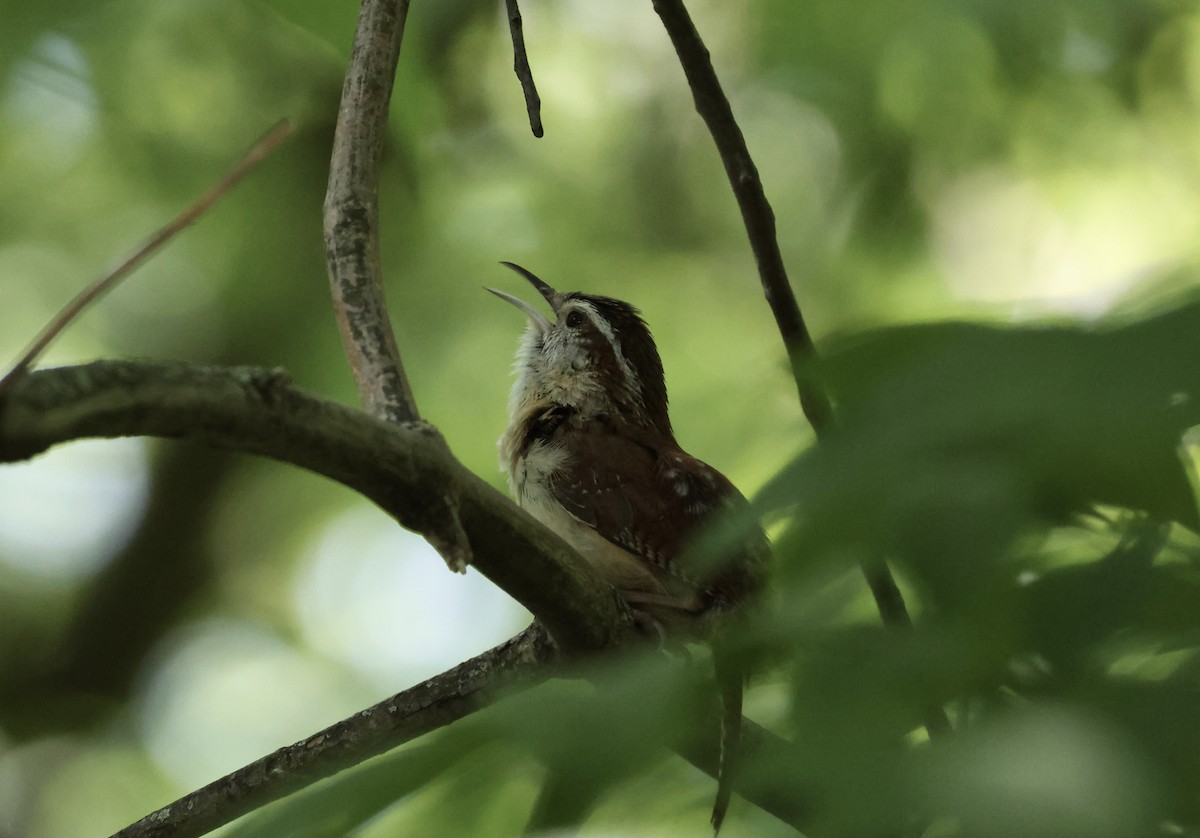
(953, 439)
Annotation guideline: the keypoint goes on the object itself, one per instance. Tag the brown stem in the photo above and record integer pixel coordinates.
(533, 102)
(759, 219)
(352, 214)
(352, 247)
(257, 153)
(714, 109)
(478, 682)
(890, 603)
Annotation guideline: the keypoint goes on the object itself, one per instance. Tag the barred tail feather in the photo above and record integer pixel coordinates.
(731, 678)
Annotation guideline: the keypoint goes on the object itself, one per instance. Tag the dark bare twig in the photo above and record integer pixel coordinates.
(352, 214)
(257, 153)
(533, 102)
(456, 693)
(888, 599)
(714, 108)
(890, 603)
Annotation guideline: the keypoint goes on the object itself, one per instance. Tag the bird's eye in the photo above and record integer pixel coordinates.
(574, 319)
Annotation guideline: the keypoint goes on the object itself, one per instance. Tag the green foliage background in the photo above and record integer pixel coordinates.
(990, 212)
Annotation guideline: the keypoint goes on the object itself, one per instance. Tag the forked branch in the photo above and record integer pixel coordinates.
(405, 470)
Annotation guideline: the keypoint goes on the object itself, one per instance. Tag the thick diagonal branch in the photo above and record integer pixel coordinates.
(352, 214)
(445, 698)
(525, 661)
(408, 472)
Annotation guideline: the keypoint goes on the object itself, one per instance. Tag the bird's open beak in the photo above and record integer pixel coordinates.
(536, 317)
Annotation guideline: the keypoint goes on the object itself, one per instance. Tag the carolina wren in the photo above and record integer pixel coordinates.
(590, 453)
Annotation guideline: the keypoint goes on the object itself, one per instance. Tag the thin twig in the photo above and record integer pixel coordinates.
(714, 108)
(352, 214)
(533, 102)
(257, 153)
(456, 693)
(890, 602)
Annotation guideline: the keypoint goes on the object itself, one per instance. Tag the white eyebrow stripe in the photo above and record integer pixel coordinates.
(606, 329)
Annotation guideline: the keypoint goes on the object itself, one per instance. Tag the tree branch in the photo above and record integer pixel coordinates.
(522, 662)
(352, 214)
(890, 603)
(257, 153)
(256, 411)
(456, 693)
(405, 469)
(533, 102)
(773, 790)
(759, 219)
(352, 248)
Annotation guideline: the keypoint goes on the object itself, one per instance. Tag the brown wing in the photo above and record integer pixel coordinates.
(650, 498)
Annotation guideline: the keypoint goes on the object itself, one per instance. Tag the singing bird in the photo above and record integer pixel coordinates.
(590, 453)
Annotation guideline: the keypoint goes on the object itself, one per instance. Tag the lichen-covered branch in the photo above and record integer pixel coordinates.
(522, 661)
(525, 661)
(352, 214)
(405, 469)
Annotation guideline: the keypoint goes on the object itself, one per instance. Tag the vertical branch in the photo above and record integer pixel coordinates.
(533, 102)
(352, 213)
(714, 108)
(890, 603)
